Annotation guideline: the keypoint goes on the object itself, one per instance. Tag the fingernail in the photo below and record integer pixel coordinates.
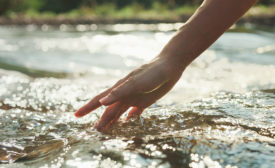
(107, 100)
(98, 126)
(77, 114)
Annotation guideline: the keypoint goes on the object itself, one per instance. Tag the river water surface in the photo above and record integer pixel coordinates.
(220, 114)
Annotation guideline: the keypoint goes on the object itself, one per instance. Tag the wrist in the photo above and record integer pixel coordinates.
(171, 63)
(186, 45)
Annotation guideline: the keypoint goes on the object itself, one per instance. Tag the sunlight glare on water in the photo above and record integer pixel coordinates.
(220, 114)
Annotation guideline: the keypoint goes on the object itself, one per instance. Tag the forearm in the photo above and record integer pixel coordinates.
(207, 24)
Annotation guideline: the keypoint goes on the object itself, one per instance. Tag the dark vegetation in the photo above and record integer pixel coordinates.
(63, 6)
(91, 11)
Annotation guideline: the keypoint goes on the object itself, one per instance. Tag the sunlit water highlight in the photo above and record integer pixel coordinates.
(220, 114)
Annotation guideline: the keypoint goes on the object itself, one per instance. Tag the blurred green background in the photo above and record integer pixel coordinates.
(109, 8)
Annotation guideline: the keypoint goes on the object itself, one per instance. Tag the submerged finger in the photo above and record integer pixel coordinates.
(135, 111)
(109, 114)
(121, 111)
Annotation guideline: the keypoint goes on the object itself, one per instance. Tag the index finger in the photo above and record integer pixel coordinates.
(91, 105)
(94, 103)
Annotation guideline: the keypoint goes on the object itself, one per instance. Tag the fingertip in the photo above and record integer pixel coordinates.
(98, 126)
(81, 112)
(78, 114)
(92, 105)
(102, 128)
(135, 111)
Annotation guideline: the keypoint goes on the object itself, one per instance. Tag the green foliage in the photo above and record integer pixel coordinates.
(116, 8)
(266, 2)
(8, 5)
(130, 11)
(33, 4)
(186, 9)
(104, 10)
(159, 6)
(60, 6)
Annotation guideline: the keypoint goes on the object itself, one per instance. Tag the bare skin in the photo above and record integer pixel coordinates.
(148, 83)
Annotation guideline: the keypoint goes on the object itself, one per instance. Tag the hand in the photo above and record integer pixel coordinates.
(139, 89)
(147, 84)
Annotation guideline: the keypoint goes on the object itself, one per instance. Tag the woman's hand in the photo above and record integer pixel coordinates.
(147, 84)
(138, 90)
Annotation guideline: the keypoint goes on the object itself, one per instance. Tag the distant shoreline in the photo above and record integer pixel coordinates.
(264, 20)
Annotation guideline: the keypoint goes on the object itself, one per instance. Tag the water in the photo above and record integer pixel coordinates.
(220, 114)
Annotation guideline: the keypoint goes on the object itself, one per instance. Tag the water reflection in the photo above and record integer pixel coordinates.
(224, 129)
(220, 114)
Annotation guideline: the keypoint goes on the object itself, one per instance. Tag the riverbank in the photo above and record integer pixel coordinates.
(258, 15)
(265, 20)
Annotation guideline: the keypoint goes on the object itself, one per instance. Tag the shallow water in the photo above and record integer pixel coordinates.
(220, 114)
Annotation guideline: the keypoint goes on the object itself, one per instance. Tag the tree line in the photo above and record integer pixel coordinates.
(62, 6)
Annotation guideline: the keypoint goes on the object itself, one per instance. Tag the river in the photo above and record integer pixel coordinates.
(221, 113)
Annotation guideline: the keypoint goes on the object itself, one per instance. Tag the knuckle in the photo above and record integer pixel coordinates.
(115, 92)
(119, 81)
(132, 82)
(132, 73)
